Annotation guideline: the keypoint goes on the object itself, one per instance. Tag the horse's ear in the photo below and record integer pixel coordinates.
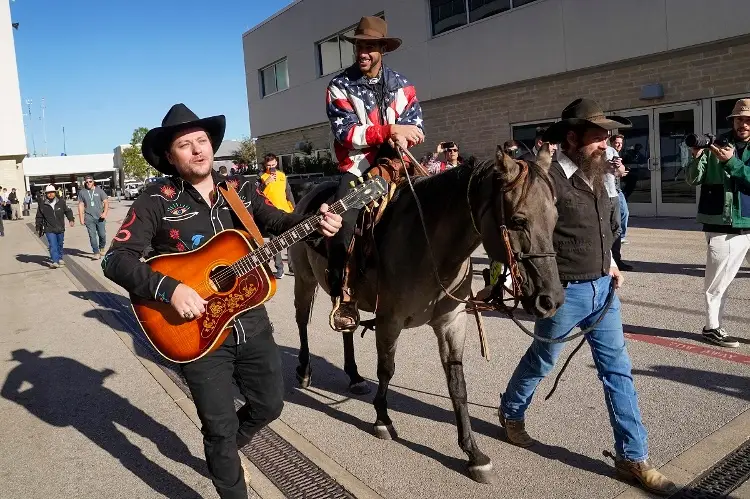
(505, 165)
(544, 157)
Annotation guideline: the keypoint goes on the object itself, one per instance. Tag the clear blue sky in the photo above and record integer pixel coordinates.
(107, 67)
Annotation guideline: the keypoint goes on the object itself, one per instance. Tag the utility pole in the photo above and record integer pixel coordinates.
(65, 149)
(44, 126)
(31, 125)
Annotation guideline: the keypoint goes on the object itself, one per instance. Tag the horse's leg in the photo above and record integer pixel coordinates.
(386, 337)
(451, 336)
(304, 296)
(357, 384)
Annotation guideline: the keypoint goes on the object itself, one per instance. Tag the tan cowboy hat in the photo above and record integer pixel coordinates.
(582, 112)
(374, 28)
(741, 108)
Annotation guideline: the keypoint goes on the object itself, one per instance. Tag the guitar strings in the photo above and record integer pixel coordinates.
(234, 270)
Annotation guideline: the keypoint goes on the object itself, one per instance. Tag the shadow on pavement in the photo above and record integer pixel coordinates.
(80, 253)
(730, 385)
(41, 260)
(331, 378)
(675, 269)
(65, 392)
(115, 306)
(676, 335)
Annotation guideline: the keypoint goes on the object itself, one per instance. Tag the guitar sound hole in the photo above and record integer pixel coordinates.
(222, 278)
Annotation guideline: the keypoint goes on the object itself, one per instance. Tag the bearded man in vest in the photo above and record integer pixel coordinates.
(275, 187)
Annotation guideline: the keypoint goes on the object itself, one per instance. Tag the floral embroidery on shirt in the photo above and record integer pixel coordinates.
(168, 191)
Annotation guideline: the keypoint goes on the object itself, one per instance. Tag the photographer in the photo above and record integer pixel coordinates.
(722, 168)
(452, 158)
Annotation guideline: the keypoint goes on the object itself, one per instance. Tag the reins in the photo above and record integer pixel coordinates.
(497, 301)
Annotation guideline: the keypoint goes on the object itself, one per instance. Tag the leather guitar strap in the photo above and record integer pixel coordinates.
(238, 207)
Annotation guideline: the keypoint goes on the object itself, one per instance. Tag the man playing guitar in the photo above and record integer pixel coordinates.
(177, 215)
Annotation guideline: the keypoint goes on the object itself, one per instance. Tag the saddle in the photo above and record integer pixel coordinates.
(362, 247)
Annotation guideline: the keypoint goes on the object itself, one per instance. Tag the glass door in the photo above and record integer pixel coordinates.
(636, 153)
(674, 197)
(655, 155)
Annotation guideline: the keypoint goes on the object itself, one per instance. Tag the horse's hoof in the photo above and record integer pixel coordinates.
(482, 473)
(304, 379)
(385, 432)
(360, 388)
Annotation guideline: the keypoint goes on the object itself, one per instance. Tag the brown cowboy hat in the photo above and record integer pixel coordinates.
(582, 112)
(179, 117)
(374, 28)
(741, 109)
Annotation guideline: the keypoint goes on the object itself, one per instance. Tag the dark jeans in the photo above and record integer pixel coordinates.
(255, 366)
(339, 243)
(97, 234)
(56, 241)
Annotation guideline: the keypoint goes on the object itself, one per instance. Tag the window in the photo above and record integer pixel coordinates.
(527, 132)
(274, 78)
(285, 162)
(335, 53)
(451, 14)
(722, 109)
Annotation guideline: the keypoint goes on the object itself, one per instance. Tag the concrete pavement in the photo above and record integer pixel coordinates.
(82, 417)
(694, 397)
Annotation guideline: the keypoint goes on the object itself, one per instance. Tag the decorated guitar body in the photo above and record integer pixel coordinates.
(231, 273)
(181, 340)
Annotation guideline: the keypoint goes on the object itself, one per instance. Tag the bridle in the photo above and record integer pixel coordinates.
(497, 301)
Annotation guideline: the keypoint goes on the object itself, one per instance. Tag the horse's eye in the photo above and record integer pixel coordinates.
(518, 222)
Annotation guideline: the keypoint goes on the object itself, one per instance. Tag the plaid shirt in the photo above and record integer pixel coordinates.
(359, 126)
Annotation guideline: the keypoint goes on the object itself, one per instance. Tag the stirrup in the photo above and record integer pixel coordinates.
(341, 311)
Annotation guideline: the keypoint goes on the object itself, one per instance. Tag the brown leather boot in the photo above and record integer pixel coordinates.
(344, 316)
(649, 477)
(515, 432)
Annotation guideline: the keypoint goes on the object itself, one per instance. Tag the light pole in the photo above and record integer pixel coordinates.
(44, 126)
(65, 148)
(31, 125)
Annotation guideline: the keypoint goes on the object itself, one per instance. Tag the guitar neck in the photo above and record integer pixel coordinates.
(276, 245)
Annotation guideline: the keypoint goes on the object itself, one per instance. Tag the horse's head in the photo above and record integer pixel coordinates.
(516, 221)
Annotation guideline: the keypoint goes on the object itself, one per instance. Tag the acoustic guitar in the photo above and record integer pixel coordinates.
(230, 272)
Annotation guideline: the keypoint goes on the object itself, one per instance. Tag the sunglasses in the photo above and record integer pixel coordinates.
(452, 150)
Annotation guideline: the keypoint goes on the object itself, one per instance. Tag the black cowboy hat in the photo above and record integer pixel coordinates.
(373, 28)
(582, 112)
(179, 117)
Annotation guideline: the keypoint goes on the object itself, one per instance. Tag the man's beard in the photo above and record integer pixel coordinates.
(593, 167)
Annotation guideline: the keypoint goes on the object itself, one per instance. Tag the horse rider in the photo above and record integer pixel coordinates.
(371, 109)
(582, 240)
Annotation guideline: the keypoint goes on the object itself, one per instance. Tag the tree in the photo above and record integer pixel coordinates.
(133, 163)
(246, 155)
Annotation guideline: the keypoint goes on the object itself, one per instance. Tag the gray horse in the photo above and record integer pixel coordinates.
(463, 207)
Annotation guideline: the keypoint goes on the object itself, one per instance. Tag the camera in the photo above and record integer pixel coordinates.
(704, 141)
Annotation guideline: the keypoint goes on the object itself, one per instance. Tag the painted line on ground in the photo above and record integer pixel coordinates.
(690, 348)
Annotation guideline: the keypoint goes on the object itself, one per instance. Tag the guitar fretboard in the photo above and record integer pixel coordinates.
(297, 233)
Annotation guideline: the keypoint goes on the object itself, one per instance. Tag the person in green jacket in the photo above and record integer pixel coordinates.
(724, 210)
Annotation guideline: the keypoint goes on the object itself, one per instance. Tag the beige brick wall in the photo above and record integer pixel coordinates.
(285, 142)
(11, 175)
(480, 120)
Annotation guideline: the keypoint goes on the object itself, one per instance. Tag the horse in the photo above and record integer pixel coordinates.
(462, 207)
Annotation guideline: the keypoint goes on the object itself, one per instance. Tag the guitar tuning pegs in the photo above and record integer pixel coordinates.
(367, 209)
(352, 184)
(361, 181)
(375, 204)
(369, 174)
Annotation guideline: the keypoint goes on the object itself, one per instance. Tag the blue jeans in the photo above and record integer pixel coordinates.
(582, 300)
(624, 215)
(97, 234)
(55, 245)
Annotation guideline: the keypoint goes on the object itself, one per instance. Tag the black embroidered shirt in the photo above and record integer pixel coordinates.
(171, 216)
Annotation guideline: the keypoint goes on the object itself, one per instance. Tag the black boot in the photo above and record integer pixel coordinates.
(616, 247)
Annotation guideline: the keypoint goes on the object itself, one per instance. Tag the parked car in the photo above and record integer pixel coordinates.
(132, 190)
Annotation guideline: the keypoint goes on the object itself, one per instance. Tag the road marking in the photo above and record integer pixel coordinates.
(691, 348)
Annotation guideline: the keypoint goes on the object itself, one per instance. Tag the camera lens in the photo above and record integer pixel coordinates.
(700, 141)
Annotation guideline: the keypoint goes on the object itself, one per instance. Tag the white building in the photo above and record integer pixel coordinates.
(68, 171)
(487, 71)
(12, 139)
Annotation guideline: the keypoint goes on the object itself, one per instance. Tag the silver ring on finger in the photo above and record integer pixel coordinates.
(188, 315)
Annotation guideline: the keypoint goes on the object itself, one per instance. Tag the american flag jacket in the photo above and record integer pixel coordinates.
(358, 126)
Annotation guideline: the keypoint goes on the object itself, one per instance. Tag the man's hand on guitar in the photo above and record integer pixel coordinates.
(331, 222)
(187, 302)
